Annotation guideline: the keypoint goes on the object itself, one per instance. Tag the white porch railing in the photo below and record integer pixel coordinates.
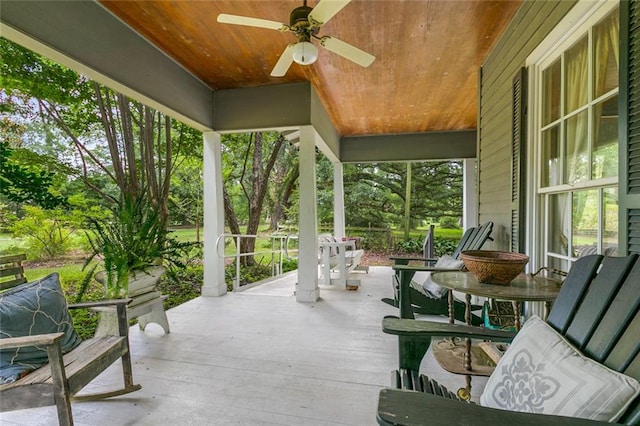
(279, 251)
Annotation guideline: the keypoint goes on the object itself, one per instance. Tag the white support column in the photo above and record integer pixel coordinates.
(338, 201)
(307, 289)
(214, 284)
(469, 194)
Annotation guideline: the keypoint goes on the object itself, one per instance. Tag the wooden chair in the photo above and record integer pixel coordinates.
(58, 381)
(418, 299)
(597, 312)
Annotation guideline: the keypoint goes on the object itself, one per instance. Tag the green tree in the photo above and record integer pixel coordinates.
(251, 158)
(23, 184)
(140, 143)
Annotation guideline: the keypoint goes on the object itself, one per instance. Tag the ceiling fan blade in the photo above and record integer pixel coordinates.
(347, 51)
(251, 22)
(326, 9)
(285, 61)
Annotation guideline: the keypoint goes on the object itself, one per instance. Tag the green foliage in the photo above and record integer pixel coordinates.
(22, 184)
(7, 218)
(449, 222)
(248, 274)
(181, 285)
(47, 233)
(412, 245)
(442, 245)
(133, 238)
(375, 240)
(289, 265)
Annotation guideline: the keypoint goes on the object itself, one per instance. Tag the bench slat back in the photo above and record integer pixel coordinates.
(12, 271)
(473, 239)
(598, 300)
(601, 316)
(583, 271)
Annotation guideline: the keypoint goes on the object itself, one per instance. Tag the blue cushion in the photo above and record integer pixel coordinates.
(37, 307)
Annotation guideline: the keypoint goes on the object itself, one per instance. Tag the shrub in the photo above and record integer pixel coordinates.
(449, 222)
(248, 274)
(289, 265)
(47, 233)
(181, 285)
(375, 240)
(413, 245)
(442, 246)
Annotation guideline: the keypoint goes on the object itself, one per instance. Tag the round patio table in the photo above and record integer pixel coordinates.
(524, 288)
(470, 359)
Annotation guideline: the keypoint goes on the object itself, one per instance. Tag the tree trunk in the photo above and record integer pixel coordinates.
(407, 203)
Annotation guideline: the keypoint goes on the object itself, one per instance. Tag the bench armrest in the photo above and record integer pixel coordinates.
(417, 329)
(35, 340)
(419, 268)
(99, 303)
(121, 311)
(398, 259)
(410, 408)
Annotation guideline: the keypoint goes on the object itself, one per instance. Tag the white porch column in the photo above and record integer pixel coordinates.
(338, 201)
(469, 194)
(307, 289)
(214, 284)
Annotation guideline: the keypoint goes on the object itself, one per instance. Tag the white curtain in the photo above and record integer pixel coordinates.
(607, 59)
(576, 95)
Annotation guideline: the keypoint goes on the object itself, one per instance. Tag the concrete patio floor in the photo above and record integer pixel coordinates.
(257, 357)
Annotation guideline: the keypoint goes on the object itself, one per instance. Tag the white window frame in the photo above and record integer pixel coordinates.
(572, 28)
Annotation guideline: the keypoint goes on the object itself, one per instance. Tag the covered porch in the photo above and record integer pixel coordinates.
(271, 361)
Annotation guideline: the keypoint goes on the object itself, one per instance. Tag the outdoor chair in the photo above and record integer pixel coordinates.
(429, 298)
(43, 361)
(583, 362)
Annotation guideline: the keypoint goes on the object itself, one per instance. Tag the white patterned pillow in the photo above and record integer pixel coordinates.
(542, 373)
(445, 262)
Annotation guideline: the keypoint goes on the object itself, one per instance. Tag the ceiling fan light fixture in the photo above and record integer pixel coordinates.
(305, 53)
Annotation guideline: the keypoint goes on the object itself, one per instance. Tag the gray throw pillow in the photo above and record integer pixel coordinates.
(432, 289)
(37, 307)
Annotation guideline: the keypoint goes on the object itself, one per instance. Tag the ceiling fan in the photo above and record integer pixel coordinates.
(305, 22)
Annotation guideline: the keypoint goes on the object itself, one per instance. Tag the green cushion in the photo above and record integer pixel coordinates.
(37, 307)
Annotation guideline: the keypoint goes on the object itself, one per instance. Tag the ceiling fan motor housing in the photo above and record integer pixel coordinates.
(299, 18)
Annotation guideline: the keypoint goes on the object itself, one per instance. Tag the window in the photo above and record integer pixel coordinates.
(575, 137)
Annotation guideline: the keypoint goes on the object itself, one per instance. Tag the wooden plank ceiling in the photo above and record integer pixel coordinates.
(424, 78)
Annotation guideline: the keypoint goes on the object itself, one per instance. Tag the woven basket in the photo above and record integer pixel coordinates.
(494, 267)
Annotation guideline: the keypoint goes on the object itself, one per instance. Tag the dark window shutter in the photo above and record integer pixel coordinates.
(518, 160)
(629, 129)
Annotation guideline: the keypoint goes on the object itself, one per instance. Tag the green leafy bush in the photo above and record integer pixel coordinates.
(47, 233)
(181, 285)
(442, 246)
(248, 274)
(289, 265)
(413, 245)
(375, 240)
(449, 222)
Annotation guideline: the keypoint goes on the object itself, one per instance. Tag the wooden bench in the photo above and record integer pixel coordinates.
(597, 312)
(12, 271)
(340, 256)
(58, 382)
